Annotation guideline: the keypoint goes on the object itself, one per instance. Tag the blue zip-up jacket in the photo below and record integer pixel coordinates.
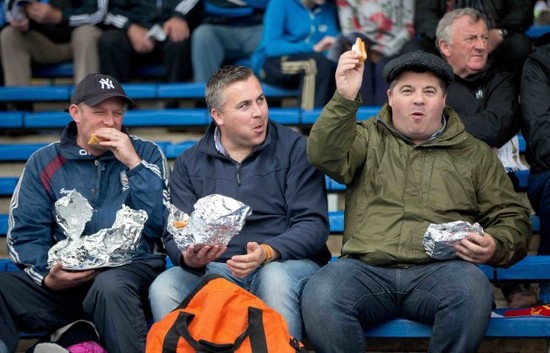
(107, 184)
(286, 193)
(291, 28)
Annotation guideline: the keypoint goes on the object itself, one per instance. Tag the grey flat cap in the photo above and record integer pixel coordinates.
(418, 61)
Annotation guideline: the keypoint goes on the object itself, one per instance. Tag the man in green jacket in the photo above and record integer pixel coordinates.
(411, 166)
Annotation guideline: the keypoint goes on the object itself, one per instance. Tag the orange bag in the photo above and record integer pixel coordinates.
(221, 317)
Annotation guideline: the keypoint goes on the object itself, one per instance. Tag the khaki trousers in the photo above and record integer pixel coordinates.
(20, 49)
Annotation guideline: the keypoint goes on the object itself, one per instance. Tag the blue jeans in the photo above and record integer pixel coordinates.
(214, 45)
(279, 284)
(348, 295)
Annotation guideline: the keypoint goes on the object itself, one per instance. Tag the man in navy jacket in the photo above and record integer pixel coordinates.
(245, 156)
(120, 170)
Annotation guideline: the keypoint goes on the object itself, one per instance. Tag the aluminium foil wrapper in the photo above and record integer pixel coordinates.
(440, 239)
(109, 247)
(215, 220)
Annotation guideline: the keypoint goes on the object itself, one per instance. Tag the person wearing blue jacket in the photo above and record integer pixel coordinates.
(245, 156)
(121, 170)
(297, 30)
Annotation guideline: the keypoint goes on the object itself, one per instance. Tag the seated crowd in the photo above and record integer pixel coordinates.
(433, 155)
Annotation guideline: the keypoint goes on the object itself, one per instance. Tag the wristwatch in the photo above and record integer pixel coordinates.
(502, 32)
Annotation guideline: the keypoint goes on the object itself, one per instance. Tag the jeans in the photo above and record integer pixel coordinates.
(214, 45)
(348, 295)
(279, 284)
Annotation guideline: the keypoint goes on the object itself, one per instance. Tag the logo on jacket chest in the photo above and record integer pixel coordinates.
(124, 181)
(480, 94)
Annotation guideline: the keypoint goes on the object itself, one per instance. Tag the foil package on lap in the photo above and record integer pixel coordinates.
(440, 239)
(108, 247)
(215, 220)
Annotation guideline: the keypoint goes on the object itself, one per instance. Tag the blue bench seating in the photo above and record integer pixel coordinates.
(156, 91)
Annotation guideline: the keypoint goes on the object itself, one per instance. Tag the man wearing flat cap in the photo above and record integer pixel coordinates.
(109, 168)
(411, 166)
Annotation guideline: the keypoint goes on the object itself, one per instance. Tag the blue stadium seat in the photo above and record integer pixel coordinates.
(287, 116)
(167, 117)
(18, 152)
(11, 120)
(310, 116)
(174, 150)
(54, 119)
(7, 185)
(35, 93)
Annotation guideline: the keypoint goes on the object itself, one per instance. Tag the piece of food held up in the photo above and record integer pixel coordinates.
(359, 48)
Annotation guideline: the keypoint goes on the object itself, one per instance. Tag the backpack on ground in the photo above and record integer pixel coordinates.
(221, 317)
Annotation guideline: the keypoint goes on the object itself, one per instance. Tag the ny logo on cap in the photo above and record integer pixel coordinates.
(106, 83)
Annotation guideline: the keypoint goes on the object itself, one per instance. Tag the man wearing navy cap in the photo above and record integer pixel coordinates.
(411, 166)
(98, 159)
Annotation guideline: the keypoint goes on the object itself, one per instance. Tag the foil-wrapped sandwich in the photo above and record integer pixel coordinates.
(214, 221)
(440, 239)
(108, 247)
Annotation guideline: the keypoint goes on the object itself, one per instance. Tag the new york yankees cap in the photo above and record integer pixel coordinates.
(95, 88)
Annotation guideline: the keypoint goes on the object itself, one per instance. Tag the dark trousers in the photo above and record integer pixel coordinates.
(116, 301)
(118, 58)
(539, 196)
(325, 83)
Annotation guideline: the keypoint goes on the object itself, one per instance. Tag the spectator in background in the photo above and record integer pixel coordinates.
(296, 30)
(149, 32)
(535, 107)
(246, 156)
(411, 166)
(384, 26)
(507, 21)
(50, 33)
(229, 31)
(486, 99)
(121, 170)
(541, 13)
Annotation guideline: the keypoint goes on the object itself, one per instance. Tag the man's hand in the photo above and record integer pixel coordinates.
(494, 40)
(22, 25)
(203, 256)
(243, 265)
(59, 279)
(41, 12)
(476, 248)
(176, 29)
(349, 75)
(119, 143)
(139, 40)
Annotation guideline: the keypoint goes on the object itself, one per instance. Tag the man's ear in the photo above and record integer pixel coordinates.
(74, 110)
(389, 92)
(217, 116)
(444, 48)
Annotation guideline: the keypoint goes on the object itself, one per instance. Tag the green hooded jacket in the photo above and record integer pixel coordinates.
(396, 189)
